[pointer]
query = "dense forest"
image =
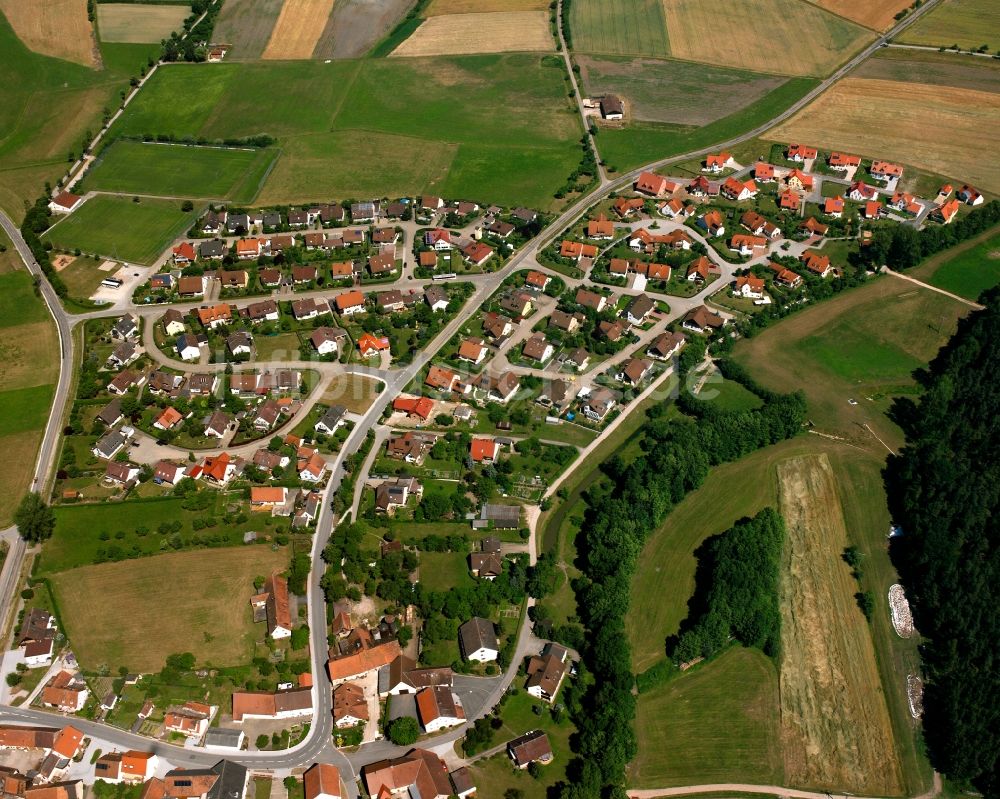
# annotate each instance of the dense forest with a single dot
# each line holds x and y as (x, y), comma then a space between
(736, 594)
(677, 454)
(944, 489)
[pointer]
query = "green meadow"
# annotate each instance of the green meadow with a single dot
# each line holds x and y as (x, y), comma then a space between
(496, 128)
(119, 228)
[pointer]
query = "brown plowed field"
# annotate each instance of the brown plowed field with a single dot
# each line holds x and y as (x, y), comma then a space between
(836, 731)
(247, 26)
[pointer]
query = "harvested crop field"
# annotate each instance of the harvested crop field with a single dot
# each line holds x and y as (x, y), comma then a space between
(57, 28)
(439, 7)
(619, 27)
(801, 38)
(967, 23)
(138, 23)
(675, 92)
(936, 128)
(298, 28)
(195, 601)
(246, 25)
(467, 34)
(876, 15)
(836, 731)
(355, 26)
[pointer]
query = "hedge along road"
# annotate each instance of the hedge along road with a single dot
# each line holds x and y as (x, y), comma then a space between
(319, 739)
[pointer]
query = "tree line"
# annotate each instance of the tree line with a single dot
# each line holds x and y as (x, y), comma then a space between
(622, 512)
(944, 491)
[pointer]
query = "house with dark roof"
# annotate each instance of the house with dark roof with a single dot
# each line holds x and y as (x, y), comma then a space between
(529, 748)
(477, 639)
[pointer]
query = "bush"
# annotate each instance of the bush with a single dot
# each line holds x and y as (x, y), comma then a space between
(403, 731)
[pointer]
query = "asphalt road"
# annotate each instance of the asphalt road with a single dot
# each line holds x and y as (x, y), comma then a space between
(317, 745)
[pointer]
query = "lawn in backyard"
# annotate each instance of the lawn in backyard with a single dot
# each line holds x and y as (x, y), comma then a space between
(178, 170)
(443, 571)
(120, 228)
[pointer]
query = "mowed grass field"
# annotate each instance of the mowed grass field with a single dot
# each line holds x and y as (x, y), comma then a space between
(517, 147)
(179, 170)
(297, 29)
(619, 27)
(354, 392)
(967, 270)
(119, 228)
(136, 613)
(493, 32)
(138, 22)
(247, 26)
(29, 362)
(836, 728)
(674, 92)
(712, 724)
(877, 16)
(801, 39)
(57, 28)
(967, 23)
(942, 129)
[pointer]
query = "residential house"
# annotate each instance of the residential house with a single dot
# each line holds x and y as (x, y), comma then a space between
(484, 450)
(872, 210)
(598, 404)
(712, 222)
(437, 298)
(834, 206)
(499, 389)
(747, 245)
(600, 228)
(638, 309)
(237, 279)
(439, 708)
(885, 170)
(486, 565)
(817, 264)
(173, 322)
(906, 202)
(65, 203)
(350, 303)
(788, 200)
(634, 371)
(575, 250)
(350, 707)
(947, 211)
(125, 328)
(862, 192)
(784, 276)
(537, 348)
(224, 780)
(66, 693)
(395, 493)
(240, 344)
(285, 704)
(800, 153)
(440, 378)
(472, 350)
(518, 304)
(546, 672)
(410, 446)
(532, 747)
(477, 253)
(309, 308)
(247, 249)
(739, 190)
(701, 319)
(568, 322)
(702, 270)
(497, 326)
(477, 640)
(277, 604)
(763, 172)
(591, 299)
(322, 781)
(331, 420)
(217, 424)
(438, 238)
(612, 331)
(814, 227)
(108, 445)
(213, 316)
(797, 180)
(166, 472)
(382, 264)
(628, 206)
(759, 226)
(121, 473)
(665, 346)
(419, 773)
(212, 250)
(749, 287)
(842, 162)
(969, 195)
(416, 407)
(718, 162)
(264, 311)
(304, 275)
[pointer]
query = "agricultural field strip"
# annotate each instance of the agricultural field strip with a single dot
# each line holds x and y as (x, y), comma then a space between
(831, 696)
(493, 32)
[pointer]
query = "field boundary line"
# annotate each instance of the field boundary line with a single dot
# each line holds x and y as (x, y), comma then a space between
(963, 300)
